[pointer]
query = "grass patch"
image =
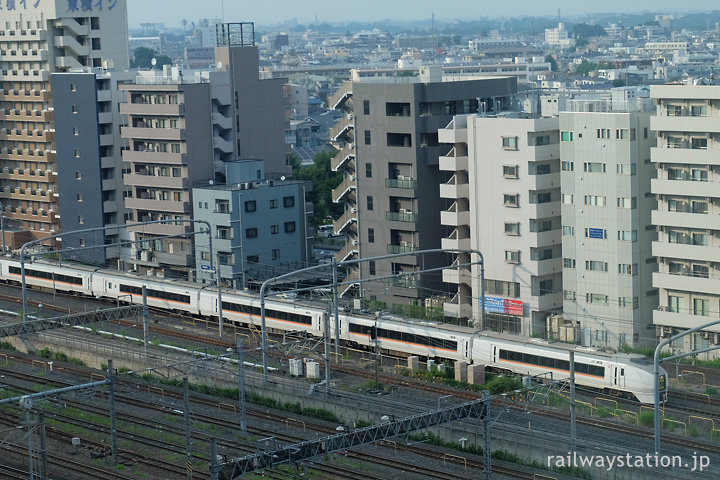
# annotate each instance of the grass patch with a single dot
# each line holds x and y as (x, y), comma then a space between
(496, 384)
(646, 418)
(7, 346)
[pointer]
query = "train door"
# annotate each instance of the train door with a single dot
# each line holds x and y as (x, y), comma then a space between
(618, 376)
(494, 353)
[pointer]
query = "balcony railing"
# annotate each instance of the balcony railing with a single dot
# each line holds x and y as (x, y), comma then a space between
(400, 183)
(401, 248)
(401, 217)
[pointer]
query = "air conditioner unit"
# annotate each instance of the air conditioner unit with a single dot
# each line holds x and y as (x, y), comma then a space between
(403, 211)
(145, 255)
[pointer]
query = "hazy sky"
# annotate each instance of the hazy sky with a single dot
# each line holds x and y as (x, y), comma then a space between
(171, 12)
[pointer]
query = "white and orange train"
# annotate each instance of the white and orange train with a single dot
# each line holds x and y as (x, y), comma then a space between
(629, 375)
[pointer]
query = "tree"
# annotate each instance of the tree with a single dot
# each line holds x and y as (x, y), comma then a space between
(553, 63)
(585, 67)
(323, 180)
(142, 58)
(583, 30)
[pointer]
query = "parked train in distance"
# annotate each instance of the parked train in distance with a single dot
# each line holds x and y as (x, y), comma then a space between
(628, 375)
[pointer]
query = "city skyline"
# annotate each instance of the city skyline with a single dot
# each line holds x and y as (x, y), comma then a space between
(171, 13)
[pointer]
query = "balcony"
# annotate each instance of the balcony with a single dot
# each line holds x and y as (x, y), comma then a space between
(349, 250)
(545, 181)
(664, 123)
(543, 210)
(403, 248)
(345, 221)
(682, 320)
(457, 276)
(342, 95)
(347, 185)
(157, 205)
(105, 117)
(67, 62)
(342, 128)
(165, 109)
(400, 182)
(455, 242)
(546, 267)
(148, 156)
(153, 133)
(452, 162)
(689, 252)
(162, 229)
(455, 132)
(404, 281)
(452, 190)
(684, 187)
(455, 218)
(134, 179)
(401, 216)
(686, 219)
(25, 95)
(697, 156)
(346, 154)
(691, 283)
(177, 260)
(456, 309)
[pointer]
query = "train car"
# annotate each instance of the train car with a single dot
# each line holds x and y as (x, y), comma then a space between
(399, 337)
(174, 296)
(617, 374)
(280, 315)
(49, 276)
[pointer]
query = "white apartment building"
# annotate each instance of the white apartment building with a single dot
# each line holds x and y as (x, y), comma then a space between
(608, 297)
(504, 197)
(687, 217)
(558, 36)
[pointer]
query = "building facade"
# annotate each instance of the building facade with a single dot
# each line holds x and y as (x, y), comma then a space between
(388, 151)
(504, 200)
(687, 123)
(259, 226)
(606, 227)
(37, 39)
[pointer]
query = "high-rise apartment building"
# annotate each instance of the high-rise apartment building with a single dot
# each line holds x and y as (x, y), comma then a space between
(687, 123)
(504, 200)
(37, 39)
(606, 204)
(388, 152)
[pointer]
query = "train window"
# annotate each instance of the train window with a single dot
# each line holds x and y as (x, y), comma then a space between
(547, 362)
(531, 359)
(562, 365)
(641, 360)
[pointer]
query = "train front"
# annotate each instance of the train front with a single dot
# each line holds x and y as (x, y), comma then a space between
(642, 372)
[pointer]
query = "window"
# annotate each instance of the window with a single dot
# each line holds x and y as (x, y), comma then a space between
(544, 197)
(73, 87)
(626, 168)
(74, 109)
(676, 304)
(369, 202)
(566, 136)
(569, 295)
(78, 176)
(276, 254)
(627, 235)
(510, 171)
(250, 206)
(595, 200)
(371, 267)
(568, 230)
(542, 140)
(546, 287)
(251, 232)
(502, 288)
(699, 143)
(289, 227)
(511, 200)
(701, 307)
(699, 207)
(596, 266)
(674, 110)
(698, 111)
(253, 259)
(699, 175)
(75, 131)
(543, 169)
(594, 167)
(674, 142)
(568, 263)
(366, 107)
(567, 166)
(222, 206)
(541, 254)
(596, 298)
(512, 228)
(224, 233)
(510, 143)
(76, 153)
(537, 226)
(288, 202)
(367, 137)
(568, 198)
(273, 203)
(700, 271)
(79, 197)
(371, 235)
(625, 202)
(627, 269)
(512, 256)
(274, 229)
(81, 219)
(368, 170)
(628, 302)
(700, 239)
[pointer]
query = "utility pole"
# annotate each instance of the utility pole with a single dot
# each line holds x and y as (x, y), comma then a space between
(113, 431)
(241, 389)
(186, 415)
(573, 431)
(145, 326)
(219, 299)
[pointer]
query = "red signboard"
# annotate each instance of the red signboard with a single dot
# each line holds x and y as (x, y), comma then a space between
(513, 307)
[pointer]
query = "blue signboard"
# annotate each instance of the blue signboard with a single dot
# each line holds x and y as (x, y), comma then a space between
(207, 267)
(494, 305)
(596, 233)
